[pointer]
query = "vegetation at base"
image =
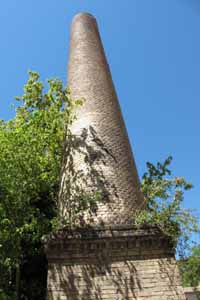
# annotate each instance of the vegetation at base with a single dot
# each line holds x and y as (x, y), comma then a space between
(31, 150)
(164, 196)
(31, 146)
(190, 268)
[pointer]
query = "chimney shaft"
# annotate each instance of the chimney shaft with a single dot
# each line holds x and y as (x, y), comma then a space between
(100, 125)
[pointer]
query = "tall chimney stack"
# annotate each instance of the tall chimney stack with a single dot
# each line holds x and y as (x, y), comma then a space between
(105, 262)
(100, 123)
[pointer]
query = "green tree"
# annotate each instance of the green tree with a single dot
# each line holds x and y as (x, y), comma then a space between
(164, 196)
(30, 161)
(190, 268)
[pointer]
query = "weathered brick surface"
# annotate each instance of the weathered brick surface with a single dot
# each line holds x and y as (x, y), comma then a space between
(113, 264)
(101, 127)
(109, 262)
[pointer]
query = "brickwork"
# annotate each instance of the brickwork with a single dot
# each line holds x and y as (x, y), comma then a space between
(118, 264)
(100, 127)
(105, 261)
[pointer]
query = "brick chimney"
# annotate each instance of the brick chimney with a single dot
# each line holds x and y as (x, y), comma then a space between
(116, 261)
(99, 124)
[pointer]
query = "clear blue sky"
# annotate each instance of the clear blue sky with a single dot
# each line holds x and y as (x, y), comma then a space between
(153, 48)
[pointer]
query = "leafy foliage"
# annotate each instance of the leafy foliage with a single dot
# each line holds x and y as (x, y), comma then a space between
(164, 195)
(190, 268)
(30, 158)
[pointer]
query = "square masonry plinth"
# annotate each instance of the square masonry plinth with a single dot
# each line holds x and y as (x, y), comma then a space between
(113, 264)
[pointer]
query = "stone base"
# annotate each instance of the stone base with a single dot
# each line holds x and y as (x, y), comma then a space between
(118, 263)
